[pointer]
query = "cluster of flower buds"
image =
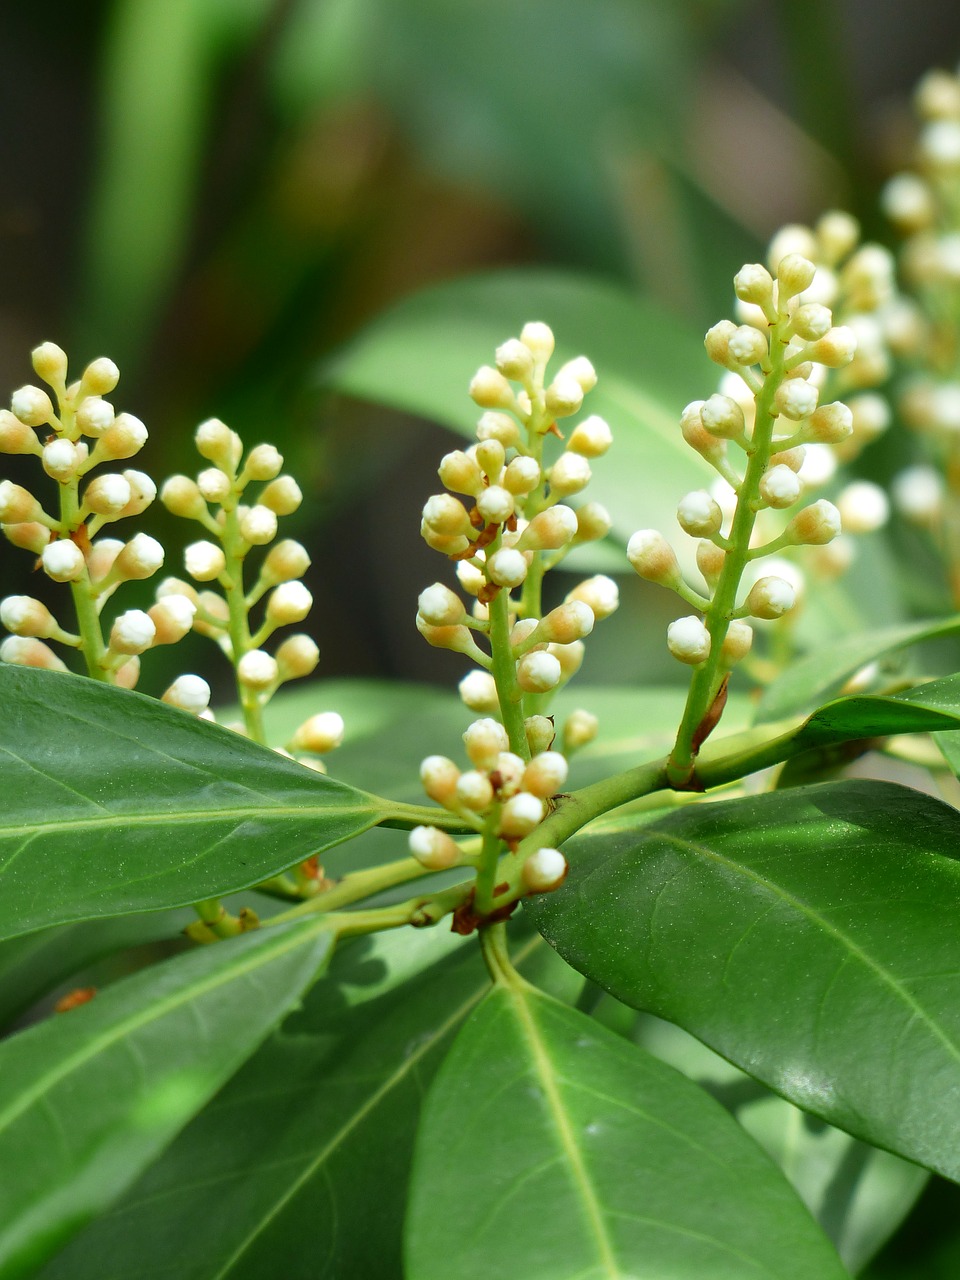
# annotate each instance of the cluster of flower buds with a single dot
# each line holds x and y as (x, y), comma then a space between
(778, 361)
(922, 204)
(237, 520)
(79, 436)
(506, 518)
(502, 793)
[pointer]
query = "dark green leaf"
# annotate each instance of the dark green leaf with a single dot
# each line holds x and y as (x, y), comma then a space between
(807, 935)
(551, 1147)
(90, 1097)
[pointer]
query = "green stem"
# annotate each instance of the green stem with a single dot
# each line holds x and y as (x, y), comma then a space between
(239, 625)
(354, 887)
(504, 669)
(84, 597)
(488, 864)
(496, 955)
(419, 912)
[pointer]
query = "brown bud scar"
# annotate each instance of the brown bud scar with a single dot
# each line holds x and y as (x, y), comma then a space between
(712, 717)
(488, 592)
(465, 920)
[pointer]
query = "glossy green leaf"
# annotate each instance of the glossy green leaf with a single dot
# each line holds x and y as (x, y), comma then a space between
(117, 803)
(300, 1166)
(89, 1098)
(597, 1161)
(650, 367)
(807, 935)
(823, 672)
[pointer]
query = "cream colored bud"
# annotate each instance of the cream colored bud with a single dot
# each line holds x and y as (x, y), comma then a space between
(736, 643)
(172, 616)
(263, 462)
(722, 417)
(544, 870)
(753, 283)
(793, 238)
(522, 476)
(297, 657)
(433, 848)
(490, 389)
(540, 733)
(62, 560)
(522, 631)
(204, 561)
(258, 525)
(748, 345)
(16, 436)
(133, 632)
(538, 672)
(24, 616)
(521, 813)
(128, 673)
(908, 202)
(838, 233)
(490, 456)
(169, 586)
(507, 567)
(937, 96)
(102, 556)
(474, 791)
(836, 348)
(549, 530)
(507, 774)
(495, 504)
(285, 561)
(570, 656)
(257, 670)
(288, 603)
(99, 378)
(812, 321)
(25, 651)
(458, 639)
(569, 622)
(124, 438)
(710, 561)
(107, 495)
(32, 406)
(696, 434)
(831, 423)
(815, 525)
(771, 597)
(600, 593)
(582, 370)
(580, 729)
(215, 485)
(459, 472)
(28, 535)
(483, 741)
(189, 693)
(493, 426)
(564, 396)
(472, 579)
(217, 443)
(515, 360)
(592, 437)
(653, 558)
(569, 474)
(140, 558)
(699, 514)
(834, 559)
(796, 398)
(545, 774)
(863, 507)
(440, 607)
(780, 486)
(320, 734)
(819, 465)
(539, 338)
(446, 515)
(448, 545)
(794, 274)
(283, 496)
(792, 458)
(939, 146)
(478, 691)
(142, 492)
(50, 363)
(688, 640)
(918, 494)
(181, 496)
(61, 460)
(438, 777)
(717, 342)
(95, 416)
(593, 522)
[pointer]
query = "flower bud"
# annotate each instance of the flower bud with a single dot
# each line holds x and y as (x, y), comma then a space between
(107, 495)
(493, 426)
(282, 496)
(28, 535)
(908, 203)
(507, 567)
(132, 632)
(580, 729)
(812, 321)
(125, 437)
(440, 607)
(456, 638)
(567, 623)
(284, 561)
(521, 813)
(460, 473)
(871, 416)
(794, 274)
(831, 423)
(522, 476)
(540, 733)
(95, 416)
(128, 673)
(63, 560)
(918, 494)
(289, 603)
(722, 417)
(569, 474)
(863, 507)
(748, 345)
(814, 525)
(257, 670)
(834, 559)
(514, 360)
(478, 691)
(697, 436)
(736, 643)
(771, 597)
(140, 558)
(483, 741)
(717, 342)
(297, 657)
(25, 651)
(438, 777)
(753, 283)
(258, 525)
(217, 443)
(181, 496)
(433, 848)
(172, 617)
(50, 363)
(263, 462)
(796, 398)
(495, 504)
(836, 348)
(474, 791)
(445, 514)
(204, 561)
(61, 460)
(16, 436)
(544, 870)
(538, 672)
(539, 338)
(99, 378)
(653, 558)
(214, 484)
(490, 389)
(189, 693)
(545, 774)
(570, 656)
(780, 486)
(549, 530)
(600, 593)
(17, 505)
(490, 456)
(699, 514)
(564, 396)
(32, 406)
(593, 522)
(592, 437)
(689, 640)
(24, 616)
(320, 734)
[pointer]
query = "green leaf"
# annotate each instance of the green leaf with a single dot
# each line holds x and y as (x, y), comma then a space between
(650, 366)
(302, 1161)
(823, 672)
(89, 1098)
(117, 803)
(597, 1161)
(807, 935)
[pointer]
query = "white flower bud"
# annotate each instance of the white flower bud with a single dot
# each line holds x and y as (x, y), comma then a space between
(653, 558)
(61, 460)
(567, 623)
(549, 530)
(297, 657)
(495, 504)
(564, 396)
(771, 597)
(286, 560)
(258, 525)
(937, 96)
(263, 462)
(582, 369)
(794, 274)
(204, 561)
(50, 363)
(478, 691)
(181, 497)
(600, 593)
(26, 651)
(593, 522)
(871, 416)
(592, 437)
(493, 426)
(460, 473)
(320, 734)
(836, 348)
(474, 791)
(569, 474)
(445, 514)
(515, 360)
(815, 525)
(736, 643)
(780, 486)
(838, 233)
(796, 398)
(540, 733)
(189, 693)
(544, 870)
(538, 672)
(793, 238)
(507, 567)
(107, 495)
(32, 406)
(62, 560)
(696, 434)
(95, 416)
(863, 507)
(939, 146)
(717, 342)
(748, 345)
(99, 377)
(710, 561)
(172, 617)
(217, 443)
(522, 476)
(545, 774)
(818, 467)
(24, 616)
(490, 456)
(257, 670)
(282, 496)
(140, 558)
(918, 494)
(289, 603)
(125, 437)
(142, 492)
(214, 484)
(521, 813)
(16, 436)
(539, 338)
(490, 389)
(439, 777)
(753, 283)
(132, 632)
(580, 729)
(483, 741)
(831, 423)
(689, 640)
(102, 557)
(570, 656)
(699, 514)
(812, 321)
(472, 579)
(440, 607)
(722, 417)
(433, 848)
(507, 774)
(908, 202)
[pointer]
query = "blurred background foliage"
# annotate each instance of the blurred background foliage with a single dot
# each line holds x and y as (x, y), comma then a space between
(221, 194)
